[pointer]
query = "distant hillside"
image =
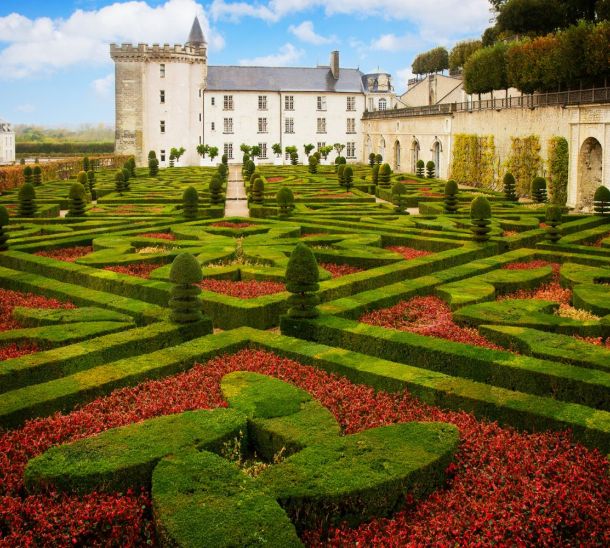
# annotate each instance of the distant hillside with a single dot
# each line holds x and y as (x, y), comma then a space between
(85, 133)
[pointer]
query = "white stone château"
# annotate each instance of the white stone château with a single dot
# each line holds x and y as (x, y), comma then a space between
(7, 143)
(168, 96)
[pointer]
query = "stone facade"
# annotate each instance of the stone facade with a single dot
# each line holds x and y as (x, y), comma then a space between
(7, 143)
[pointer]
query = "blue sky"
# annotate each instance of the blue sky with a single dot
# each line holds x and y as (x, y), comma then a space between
(55, 68)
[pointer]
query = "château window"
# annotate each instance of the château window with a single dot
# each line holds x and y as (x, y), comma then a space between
(262, 102)
(200, 116)
(213, 101)
(228, 125)
(263, 147)
(289, 125)
(350, 150)
(383, 104)
(321, 145)
(162, 96)
(351, 103)
(351, 125)
(321, 125)
(289, 102)
(321, 102)
(228, 150)
(162, 155)
(262, 125)
(162, 70)
(162, 126)
(228, 102)
(213, 126)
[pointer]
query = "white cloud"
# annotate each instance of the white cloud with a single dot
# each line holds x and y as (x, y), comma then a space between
(26, 108)
(306, 33)
(401, 77)
(104, 86)
(435, 17)
(286, 55)
(44, 45)
(393, 43)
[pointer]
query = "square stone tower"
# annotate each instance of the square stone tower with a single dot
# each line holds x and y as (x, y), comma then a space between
(159, 97)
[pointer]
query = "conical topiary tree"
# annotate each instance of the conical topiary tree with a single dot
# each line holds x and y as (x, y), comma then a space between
(253, 177)
(348, 177)
(539, 190)
(190, 203)
(119, 182)
(131, 166)
(302, 276)
(480, 216)
(451, 201)
(215, 190)
(223, 171)
(372, 159)
(510, 187)
(91, 183)
(313, 165)
(224, 159)
(430, 170)
(385, 173)
(340, 174)
(153, 167)
(378, 159)
(285, 200)
(126, 177)
(398, 197)
(83, 180)
(86, 164)
(27, 201)
(553, 221)
(258, 191)
(375, 174)
(77, 200)
(152, 154)
(184, 302)
(4, 221)
(294, 158)
(249, 169)
(27, 174)
(37, 175)
(420, 168)
(601, 200)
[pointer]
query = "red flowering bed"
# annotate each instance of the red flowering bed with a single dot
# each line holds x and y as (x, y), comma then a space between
(599, 242)
(428, 316)
(275, 179)
(338, 270)
(140, 270)
(158, 235)
(509, 233)
(228, 224)
(245, 289)
(8, 301)
(68, 254)
(337, 195)
(408, 252)
(551, 291)
(505, 487)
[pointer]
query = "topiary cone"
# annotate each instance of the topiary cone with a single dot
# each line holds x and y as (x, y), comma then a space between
(285, 200)
(553, 221)
(27, 201)
(190, 203)
(480, 215)
(510, 187)
(302, 276)
(184, 302)
(398, 191)
(451, 201)
(77, 200)
(601, 201)
(4, 221)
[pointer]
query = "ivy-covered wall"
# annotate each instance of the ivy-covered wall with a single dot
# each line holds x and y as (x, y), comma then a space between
(473, 160)
(558, 159)
(524, 161)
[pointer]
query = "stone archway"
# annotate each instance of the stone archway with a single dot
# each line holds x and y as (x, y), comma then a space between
(397, 155)
(589, 172)
(414, 155)
(368, 147)
(382, 148)
(436, 158)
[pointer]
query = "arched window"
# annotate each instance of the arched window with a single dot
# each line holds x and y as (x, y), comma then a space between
(382, 147)
(414, 155)
(383, 104)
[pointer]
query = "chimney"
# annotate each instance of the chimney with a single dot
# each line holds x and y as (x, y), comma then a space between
(334, 64)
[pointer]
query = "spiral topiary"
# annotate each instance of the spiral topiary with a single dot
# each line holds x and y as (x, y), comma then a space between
(258, 191)
(126, 177)
(4, 221)
(27, 174)
(378, 159)
(37, 175)
(215, 188)
(223, 171)
(152, 155)
(285, 200)
(131, 166)
(294, 158)
(91, 183)
(184, 302)
(190, 203)
(86, 164)
(601, 200)
(340, 174)
(420, 168)
(224, 159)
(451, 201)
(510, 187)
(119, 182)
(77, 200)
(348, 177)
(385, 173)
(480, 215)
(313, 165)
(539, 190)
(372, 159)
(27, 201)
(553, 221)
(250, 168)
(398, 192)
(302, 276)
(430, 170)
(375, 174)
(153, 167)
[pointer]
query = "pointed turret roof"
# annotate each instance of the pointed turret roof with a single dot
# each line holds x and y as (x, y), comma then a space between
(196, 35)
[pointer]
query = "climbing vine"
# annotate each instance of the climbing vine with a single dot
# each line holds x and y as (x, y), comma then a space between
(558, 160)
(524, 161)
(473, 160)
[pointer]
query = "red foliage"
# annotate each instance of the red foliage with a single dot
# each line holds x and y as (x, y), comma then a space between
(245, 289)
(68, 254)
(408, 252)
(428, 316)
(599, 241)
(505, 487)
(158, 235)
(15, 350)
(140, 270)
(10, 299)
(551, 291)
(228, 224)
(338, 270)
(509, 233)
(597, 341)
(275, 179)
(337, 195)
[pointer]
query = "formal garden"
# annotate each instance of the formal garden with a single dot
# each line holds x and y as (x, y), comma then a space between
(368, 358)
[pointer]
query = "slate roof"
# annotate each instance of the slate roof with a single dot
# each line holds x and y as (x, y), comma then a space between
(196, 34)
(5, 127)
(238, 78)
